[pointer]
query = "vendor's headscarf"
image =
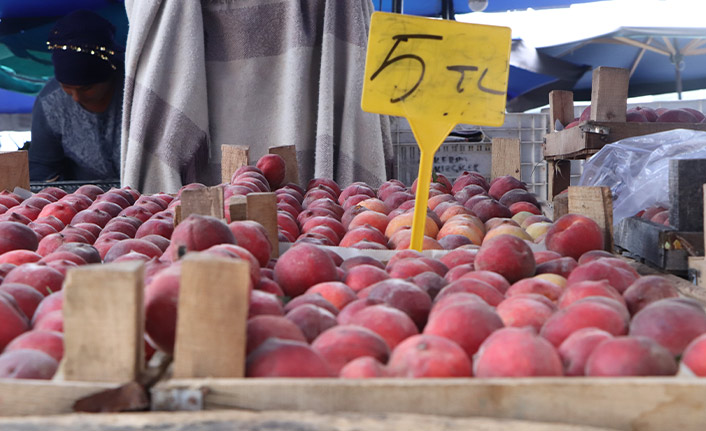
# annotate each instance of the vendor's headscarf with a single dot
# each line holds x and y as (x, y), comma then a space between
(83, 49)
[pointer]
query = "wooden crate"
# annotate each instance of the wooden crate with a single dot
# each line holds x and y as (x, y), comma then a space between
(606, 125)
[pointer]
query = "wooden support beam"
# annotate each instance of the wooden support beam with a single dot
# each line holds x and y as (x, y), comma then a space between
(686, 180)
(559, 176)
(609, 94)
(205, 201)
(262, 208)
(14, 170)
(561, 108)
(21, 397)
(104, 323)
(560, 205)
(233, 157)
(238, 208)
(595, 203)
(213, 309)
(505, 157)
(289, 154)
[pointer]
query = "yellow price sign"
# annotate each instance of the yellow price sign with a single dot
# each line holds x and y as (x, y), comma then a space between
(437, 73)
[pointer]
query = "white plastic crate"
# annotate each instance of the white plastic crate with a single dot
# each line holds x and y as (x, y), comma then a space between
(456, 155)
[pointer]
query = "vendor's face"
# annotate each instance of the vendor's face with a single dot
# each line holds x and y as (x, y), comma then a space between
(94, 97)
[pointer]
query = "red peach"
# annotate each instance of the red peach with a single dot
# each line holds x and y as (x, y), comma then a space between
(389, 323)
(27, 364)
(15, 236)
(646, 290)
(362, 368)
(508, 256)
(262, 327)
(599, 312)
(694, 356)
(516, 352)
(577, 347)
(49, 342)
(584, 289)
(311, 320)
(311, 298)
(604, 268)
(493, 278)
(523, 310)
(404, 296)
(427, 355)
(341, 344)
(285, 358)
(630, 356)
(303, 266)
(573, 235)
(484, 290)
(671, 322)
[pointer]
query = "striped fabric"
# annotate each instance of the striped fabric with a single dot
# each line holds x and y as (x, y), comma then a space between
(258, 73)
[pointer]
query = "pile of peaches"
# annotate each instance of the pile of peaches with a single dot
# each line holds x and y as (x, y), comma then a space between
(507, 293)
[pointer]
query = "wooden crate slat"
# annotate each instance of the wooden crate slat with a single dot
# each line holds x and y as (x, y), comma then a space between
(42, 397)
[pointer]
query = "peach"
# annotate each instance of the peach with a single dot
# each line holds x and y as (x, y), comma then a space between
(303, 266)
(18, 257)
(584, 289)
(273, 168)
(132, 245)
(646, 290)
(507, 229)
(16, 217)
(361, 260)
(467, 192)
(139, 212)
(599, 312)
(486, 209)
(285, 358)
(371, 218)
(64, 256)
(311, 320)
(39, 276)
(122, 225)
(494, 279)
(26, 297)
(364, 275)
(50, 303)
(375, 204)
(467, 323)
(676, 116)
(161, 227)
(61, 210)
(27, 364)
(262, 327)
(14, 321)
(108, 207)
(516, 352)
(573, 235)
(311, 298)
(305, 215)
(694, 356)
(671, 322)
(197, 233)
(630, 356)
(404, 296)
(428, 355)
(329, 204)
(430, 282)
(501, 185)
(530, 220)
(462, 228)
(604, 268)
(524, 310)
(53, 321)
(402, 240)
(468, 178)
(405, 220)
(390, 323)
(498, 221)
(49, 342)
(87, 252)
(518, 195)
(355, 189)
(458, 257)
(562, 266)
(340, 345)
(16, 236)
(536, 230)
(552, 278)
(542, 256)
(458, 271)
(365, 233)
(264, 303)
(478, 287)
(407, 268)
(362, 368)
(508, 256)
(524, 206)
(160, 303)
(575, 350)
(90, 190)
(335, 292)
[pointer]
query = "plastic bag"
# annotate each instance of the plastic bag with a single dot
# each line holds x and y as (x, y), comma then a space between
(637, 169)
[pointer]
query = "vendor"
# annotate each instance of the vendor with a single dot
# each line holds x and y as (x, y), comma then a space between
(76, 119)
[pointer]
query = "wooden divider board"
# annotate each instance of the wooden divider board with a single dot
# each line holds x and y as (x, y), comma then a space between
(213, 309)
(289, 154)
(559, 176)
(238, 208)
(609, 94)
(262, 208)
(233, 157)
(505, 157)
(595, 203)
(636, 404)
(20, 397)
(104, 323)
(14, 170)
(561, 107)
(207, 201)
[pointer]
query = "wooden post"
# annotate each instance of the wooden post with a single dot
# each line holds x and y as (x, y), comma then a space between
(609, 94)
(233, 157)
(262, 208)
(560, 205)
(686, 179)
(561, 107)
(697, 263)
(289, 154)
(208, 201)
(505, 157)
(595, 203)
(213, 310)
(177, 214)
(238, 208)
(104, 323)
(14, 170)
(559, 176)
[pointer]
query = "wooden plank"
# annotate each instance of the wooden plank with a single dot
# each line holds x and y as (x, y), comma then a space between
(233, 157)
(642, 404)
(609, 94)
(505, 157)
(19, 397)
(595, 203)
(14, 170)
(289, 154)
(262, 208)
(213, 309)
(571, 143)
(561, 108)
(559, 176)
(177, 214)
(686, 183)
(206, 201)
(233, 420)
(238, 208)
(104, 322)
(560, 206)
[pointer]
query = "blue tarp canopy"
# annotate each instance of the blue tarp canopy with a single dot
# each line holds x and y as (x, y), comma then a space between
(437, 7)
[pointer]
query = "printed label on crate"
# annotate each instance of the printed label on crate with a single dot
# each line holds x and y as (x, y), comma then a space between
(437, 70)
